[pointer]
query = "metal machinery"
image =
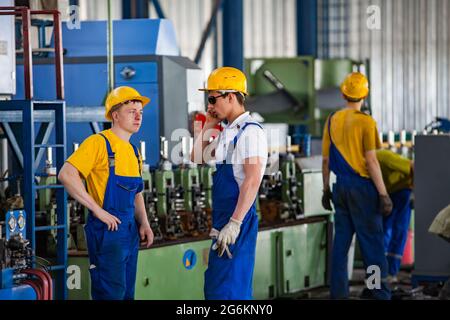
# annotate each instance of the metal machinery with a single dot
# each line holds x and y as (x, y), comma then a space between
(18, 279)
(187, 175)
(294, 238)
(432, 194)
(169, 196)
(300, 91)
(19, 118)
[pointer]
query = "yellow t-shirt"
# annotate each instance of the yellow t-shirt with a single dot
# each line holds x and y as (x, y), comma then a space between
(396, 170)
(353, 133)
(91, 160)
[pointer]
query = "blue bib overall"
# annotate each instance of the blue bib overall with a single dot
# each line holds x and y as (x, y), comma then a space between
(113, 254)
(231, 278)
(355, 200)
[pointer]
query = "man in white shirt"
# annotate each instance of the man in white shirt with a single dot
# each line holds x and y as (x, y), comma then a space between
(240, 153)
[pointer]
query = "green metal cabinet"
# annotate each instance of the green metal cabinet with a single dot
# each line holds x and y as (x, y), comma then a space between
(265, 273)
(288, 259)
(165, 273)
(302, 250)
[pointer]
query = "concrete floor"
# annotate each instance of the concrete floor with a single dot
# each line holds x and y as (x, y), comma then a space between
(402, 290)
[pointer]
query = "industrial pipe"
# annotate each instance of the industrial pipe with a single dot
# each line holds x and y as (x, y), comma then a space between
(43, 281)
(4, 162)
(109, 39)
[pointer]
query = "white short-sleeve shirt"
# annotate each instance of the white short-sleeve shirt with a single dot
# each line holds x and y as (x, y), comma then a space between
(251, 143)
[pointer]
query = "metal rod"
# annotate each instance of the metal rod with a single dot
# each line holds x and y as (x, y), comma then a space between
(142, 149)
(27, 55)
(163, 151)
(109, 40)
(158, 9)
(207, 31)
(45, 139)
(391, 138)
(288, 144)
(49, 157)
(403, 137)
(4, 168)
(59, 70)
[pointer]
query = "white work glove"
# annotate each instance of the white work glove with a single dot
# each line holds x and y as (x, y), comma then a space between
(214, 234)
(229, 233)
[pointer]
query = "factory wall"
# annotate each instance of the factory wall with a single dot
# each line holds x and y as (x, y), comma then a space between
(408, 49)
(269, 26)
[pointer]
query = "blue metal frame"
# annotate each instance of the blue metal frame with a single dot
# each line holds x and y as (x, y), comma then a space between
(159, 10)
(43, 136)
(27, 107)
(307, 28)
(210, 27)
(140, 6)
(233, 34)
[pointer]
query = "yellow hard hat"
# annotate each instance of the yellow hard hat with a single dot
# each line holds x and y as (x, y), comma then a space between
(355, 86)
(120, 95)
(227, 79)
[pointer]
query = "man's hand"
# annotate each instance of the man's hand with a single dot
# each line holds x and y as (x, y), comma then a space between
(212, 119)
(146, 235)
(327, 198)
(229, 233)
(111, 221)
(385, 205)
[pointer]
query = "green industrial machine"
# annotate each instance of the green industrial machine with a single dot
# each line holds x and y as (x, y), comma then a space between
(206, 182)
(298, 91)
(292, 207)
(169, 197)
(150, 196)
(282, 89)
(289, 260)
(46, 208)
(292, 254)
(187, 175)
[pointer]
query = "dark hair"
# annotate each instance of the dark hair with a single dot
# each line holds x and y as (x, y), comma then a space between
(240, 98)
(352, 99)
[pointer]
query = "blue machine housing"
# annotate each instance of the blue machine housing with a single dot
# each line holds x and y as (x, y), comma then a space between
(140, 45)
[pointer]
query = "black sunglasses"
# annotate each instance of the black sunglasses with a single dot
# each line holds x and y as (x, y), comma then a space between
(213, 99)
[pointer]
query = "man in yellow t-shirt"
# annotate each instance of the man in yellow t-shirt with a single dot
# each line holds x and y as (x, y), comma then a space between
(398, 177)
(350, 139)
(117, 219)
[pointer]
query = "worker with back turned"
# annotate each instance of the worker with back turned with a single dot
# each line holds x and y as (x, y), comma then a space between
(360, 198)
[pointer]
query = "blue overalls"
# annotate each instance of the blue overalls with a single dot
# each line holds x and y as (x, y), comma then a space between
(113, 254)
(355, 200)
(396, 227)
(231, 279)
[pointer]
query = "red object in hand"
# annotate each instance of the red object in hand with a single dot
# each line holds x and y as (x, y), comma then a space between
(202, 117)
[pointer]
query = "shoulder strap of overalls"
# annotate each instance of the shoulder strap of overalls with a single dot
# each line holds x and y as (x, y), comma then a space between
(329, 126)
(233, 143)
(111, 157)
(136, 153)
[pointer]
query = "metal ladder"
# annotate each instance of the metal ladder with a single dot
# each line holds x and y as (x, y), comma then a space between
(26, 108)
